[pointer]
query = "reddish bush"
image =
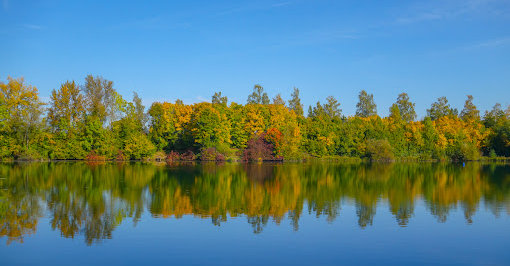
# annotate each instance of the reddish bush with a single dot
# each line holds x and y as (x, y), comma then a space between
(259, 149)
(220, 157)
(93, 156)
(274, 136)
(208, 154)
(211, 154)
(173, 156)
(188, 156)
(120, 156)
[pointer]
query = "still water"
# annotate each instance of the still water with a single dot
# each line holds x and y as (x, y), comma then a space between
(68, 213)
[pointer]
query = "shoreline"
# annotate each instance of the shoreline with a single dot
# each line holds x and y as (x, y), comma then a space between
(305, 160)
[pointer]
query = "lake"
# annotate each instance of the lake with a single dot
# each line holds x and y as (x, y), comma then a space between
(72, 213)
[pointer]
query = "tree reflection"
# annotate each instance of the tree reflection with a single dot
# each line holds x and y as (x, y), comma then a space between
(92, 200)
(365, 214)
(18, 217)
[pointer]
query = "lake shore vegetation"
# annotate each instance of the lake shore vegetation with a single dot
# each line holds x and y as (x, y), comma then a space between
(94, 122)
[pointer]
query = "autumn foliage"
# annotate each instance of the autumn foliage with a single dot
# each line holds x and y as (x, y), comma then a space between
(211, 154)
(93, 156)
(259, 148)
(94, 122)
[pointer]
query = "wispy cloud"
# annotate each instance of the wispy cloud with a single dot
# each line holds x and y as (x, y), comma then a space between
(323, 36)
(489, 44)
(419, 17)
(151, 23)
(309, 38)
(202, 99)
(33, 27)
(433, 10)
(472, 46)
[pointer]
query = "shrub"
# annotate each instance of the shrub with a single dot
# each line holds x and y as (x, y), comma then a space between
(208, 154)
(30, 155)
(492, 154)
(220, 157)
(379, 150)
(462, 151)
(138, 147)
(225, 150)
(93, 156)
(159, 156)
(173, 156)
(120, 156)
(188, 156)
(260, 149)
(211, 154)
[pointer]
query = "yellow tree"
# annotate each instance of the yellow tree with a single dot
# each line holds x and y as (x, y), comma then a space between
(286, 121)
(66, 107)
(254, 123)
(169, 123)
(23, 110)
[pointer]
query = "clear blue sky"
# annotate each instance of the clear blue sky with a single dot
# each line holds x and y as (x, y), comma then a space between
(189, 49)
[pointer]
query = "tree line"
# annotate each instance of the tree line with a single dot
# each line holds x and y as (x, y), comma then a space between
(94, 122)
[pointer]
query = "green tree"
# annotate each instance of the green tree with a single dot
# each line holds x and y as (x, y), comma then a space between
(379, 150)
(258, 96)
(366, 106)
(440, 109)
(429, 148)
(218, 99)
(100, 98)
(104, 108)
(406, 107)
(24, 111)
(295, 103)
(6, 140)
(129, 130)
(66, 107)
(470, 112)
(494, 116)
(66, 116)
(239, 134)
(208, 127)
(139, 112)
(138, 146)
(331, 108)
(395, 112)
(321, 127)
(278, 100)
(156, 125)
(316, 111)
(499, 123)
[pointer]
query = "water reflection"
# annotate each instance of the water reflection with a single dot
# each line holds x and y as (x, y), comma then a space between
(92, 200)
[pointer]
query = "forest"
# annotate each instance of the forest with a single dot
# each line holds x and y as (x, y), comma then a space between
(92, 121)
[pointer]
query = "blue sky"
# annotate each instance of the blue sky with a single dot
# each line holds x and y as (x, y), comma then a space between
(190, 49)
